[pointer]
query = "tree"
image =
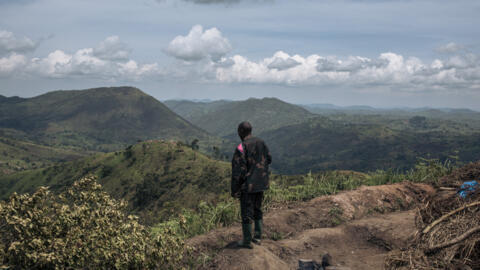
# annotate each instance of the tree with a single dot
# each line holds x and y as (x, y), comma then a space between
(80, 228)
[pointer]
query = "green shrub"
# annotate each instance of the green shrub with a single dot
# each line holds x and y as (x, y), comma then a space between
(82, 227)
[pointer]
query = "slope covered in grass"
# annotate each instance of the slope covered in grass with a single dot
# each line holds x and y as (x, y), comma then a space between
(17, 155)
(157, 178)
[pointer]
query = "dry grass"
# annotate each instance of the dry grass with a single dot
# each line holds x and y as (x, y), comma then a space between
(454, 243)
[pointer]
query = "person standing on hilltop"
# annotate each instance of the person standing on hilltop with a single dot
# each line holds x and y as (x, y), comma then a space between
(250, 163)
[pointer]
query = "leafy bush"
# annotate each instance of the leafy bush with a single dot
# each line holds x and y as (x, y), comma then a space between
(82, 227)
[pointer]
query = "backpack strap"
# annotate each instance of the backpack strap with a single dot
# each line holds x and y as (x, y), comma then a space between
(240, 148)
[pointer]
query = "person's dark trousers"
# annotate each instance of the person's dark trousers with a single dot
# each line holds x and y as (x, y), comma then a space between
(251, 210)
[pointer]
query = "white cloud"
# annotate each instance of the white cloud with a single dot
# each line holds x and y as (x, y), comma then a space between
(56, 64)
(112, 49)
(204, 55)
(9, 65)
(451, 47)
(132, 70)
(59, 64)
(244, 70)
(10, 43)
(199, 44)
(282, 61)
(350, 64)
(107, 61)
(389, 69)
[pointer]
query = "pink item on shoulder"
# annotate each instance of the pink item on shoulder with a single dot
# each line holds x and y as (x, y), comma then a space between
(240, 148)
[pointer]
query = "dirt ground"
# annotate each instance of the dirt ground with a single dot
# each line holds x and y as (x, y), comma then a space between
(357, 228)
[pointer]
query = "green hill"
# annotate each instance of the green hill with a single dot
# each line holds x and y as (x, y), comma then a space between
(323, 144)
(99, 119)
(222, 117)
(157, 178)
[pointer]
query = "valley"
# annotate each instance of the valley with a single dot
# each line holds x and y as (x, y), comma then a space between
(170, 165)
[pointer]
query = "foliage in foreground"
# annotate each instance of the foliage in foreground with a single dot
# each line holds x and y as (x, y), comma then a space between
(82, 227)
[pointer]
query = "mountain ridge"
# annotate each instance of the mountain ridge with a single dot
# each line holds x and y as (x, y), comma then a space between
(97, 116)
(264, 114)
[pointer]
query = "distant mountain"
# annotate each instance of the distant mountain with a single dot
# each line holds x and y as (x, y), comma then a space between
(15, 99)
(157, 178)
(189, 109)
(97, 119)
(222, 117)
(320, 107)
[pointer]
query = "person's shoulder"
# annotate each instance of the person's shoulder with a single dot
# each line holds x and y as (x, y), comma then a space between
(258, 140)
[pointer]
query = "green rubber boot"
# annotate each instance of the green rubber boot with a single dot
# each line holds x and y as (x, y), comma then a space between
(258, 232)
(247, 236)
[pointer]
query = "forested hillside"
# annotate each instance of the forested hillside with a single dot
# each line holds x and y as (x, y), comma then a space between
(321, 144)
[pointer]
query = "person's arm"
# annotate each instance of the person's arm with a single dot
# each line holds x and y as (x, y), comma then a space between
(239, 170)
(269, 157)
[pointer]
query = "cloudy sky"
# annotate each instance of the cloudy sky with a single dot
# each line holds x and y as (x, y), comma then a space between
(383, 53)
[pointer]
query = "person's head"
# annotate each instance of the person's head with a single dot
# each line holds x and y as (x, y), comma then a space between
(244, 129)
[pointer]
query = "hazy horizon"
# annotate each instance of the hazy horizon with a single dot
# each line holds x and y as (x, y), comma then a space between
(208, 100)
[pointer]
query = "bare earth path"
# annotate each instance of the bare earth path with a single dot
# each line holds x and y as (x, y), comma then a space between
(357, 228)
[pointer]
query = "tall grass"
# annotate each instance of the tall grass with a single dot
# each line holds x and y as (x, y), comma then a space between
(286, 189)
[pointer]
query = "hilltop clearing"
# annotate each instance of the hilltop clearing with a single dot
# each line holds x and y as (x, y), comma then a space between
(357, 228)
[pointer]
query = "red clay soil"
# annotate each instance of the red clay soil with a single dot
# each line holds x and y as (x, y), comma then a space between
(357, 228)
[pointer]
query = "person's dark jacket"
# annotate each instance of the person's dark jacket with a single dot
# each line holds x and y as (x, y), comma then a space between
(250, 166)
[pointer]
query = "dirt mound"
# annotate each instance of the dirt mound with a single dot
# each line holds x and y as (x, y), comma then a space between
(450, 229)
(368, 230)
(468, 172)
